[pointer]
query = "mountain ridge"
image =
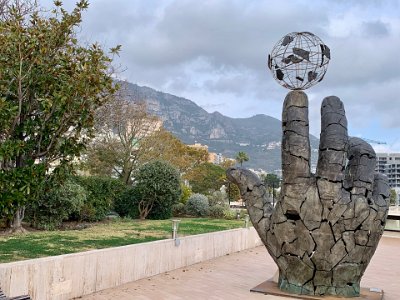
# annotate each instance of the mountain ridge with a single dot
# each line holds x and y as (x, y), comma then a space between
(222, 134)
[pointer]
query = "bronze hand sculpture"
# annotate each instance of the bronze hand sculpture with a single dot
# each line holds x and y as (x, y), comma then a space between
(326, 226)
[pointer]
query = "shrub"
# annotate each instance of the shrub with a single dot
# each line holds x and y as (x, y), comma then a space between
(218, 198)
(127, 204)
(186, 193)
(102, 192)
(393, 197)
(229, 214)
(243, 212)
(57, 205)
(217, 211)
(197, 205)
(178, 209)
(158, 184)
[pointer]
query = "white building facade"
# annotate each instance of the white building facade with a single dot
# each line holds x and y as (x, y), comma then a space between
(389, 164)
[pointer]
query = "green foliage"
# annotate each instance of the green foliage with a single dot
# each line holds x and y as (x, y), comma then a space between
(178, 209)
(229, 214)
(242, 157)
(242, 212)
(120, 125)
(197, 205)
(393, 197)
(19, 185)
(163, 145)
(158, 184)
(217, 211)
(102, 192)
(218, 198)
(271, 180)
(127, 204)
(56, 205)
(50, 86)
(186, 193)
(206, 178)
(233, 192)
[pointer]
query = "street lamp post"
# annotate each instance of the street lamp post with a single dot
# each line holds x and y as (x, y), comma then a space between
(229, 193)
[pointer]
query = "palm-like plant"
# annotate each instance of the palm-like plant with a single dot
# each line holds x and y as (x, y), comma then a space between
(242, 157)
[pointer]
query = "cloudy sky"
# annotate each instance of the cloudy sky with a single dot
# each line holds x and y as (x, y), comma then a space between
(214, 53)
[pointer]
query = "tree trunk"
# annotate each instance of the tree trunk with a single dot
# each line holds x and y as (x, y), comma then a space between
(145, 208)
(126, 175)
(143, 212)
(16, 224)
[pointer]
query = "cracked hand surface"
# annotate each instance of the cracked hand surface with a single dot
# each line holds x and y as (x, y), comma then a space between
(326, 226)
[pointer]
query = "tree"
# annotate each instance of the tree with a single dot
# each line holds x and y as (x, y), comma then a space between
(232, 191)
(50, 86)
(121, 126)
(163, 145)
(128, 137)
(158, 186)
(206, 178)
(271, 180)
(242, 157)
(393, 197)
(227, 163)
(186, 193)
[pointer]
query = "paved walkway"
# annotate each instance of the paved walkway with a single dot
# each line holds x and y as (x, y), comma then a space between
(232, 276)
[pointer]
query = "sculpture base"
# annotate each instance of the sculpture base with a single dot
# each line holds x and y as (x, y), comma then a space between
(270, 287)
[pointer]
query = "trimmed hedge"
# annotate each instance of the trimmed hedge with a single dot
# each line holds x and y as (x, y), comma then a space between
(127, 204)
(57, 205)
(102, 193)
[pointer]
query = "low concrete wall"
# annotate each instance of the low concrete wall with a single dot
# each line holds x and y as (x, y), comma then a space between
(74, 275)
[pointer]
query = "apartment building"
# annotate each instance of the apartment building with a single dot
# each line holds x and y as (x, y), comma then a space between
(389, 164)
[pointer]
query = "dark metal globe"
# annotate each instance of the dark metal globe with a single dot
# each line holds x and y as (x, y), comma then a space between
(299, 60)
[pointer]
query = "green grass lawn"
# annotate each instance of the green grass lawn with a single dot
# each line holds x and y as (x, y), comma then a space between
(117, 232)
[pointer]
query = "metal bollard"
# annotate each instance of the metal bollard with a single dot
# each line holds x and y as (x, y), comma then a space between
(175, 226)
(237, 214)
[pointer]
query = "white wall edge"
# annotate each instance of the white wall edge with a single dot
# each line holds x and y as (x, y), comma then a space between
(78, 274)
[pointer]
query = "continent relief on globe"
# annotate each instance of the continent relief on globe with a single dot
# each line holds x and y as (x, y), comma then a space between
(299, 60)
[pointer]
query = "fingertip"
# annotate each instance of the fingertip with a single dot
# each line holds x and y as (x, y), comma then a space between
(332, 101)
(295, 108)
(381, 185)
(296, 98)
(332, 105)
(358, 145)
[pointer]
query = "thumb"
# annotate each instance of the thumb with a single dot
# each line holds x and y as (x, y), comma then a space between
(253, 192)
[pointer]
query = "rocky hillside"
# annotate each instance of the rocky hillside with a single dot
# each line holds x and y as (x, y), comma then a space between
(259, 136)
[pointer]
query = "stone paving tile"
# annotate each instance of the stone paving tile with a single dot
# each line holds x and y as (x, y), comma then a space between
(232, 276)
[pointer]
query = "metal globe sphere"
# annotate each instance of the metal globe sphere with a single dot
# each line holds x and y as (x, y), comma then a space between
(299, 60)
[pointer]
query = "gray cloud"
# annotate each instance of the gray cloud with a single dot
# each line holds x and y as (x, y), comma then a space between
(375, 29)
(215, 52)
